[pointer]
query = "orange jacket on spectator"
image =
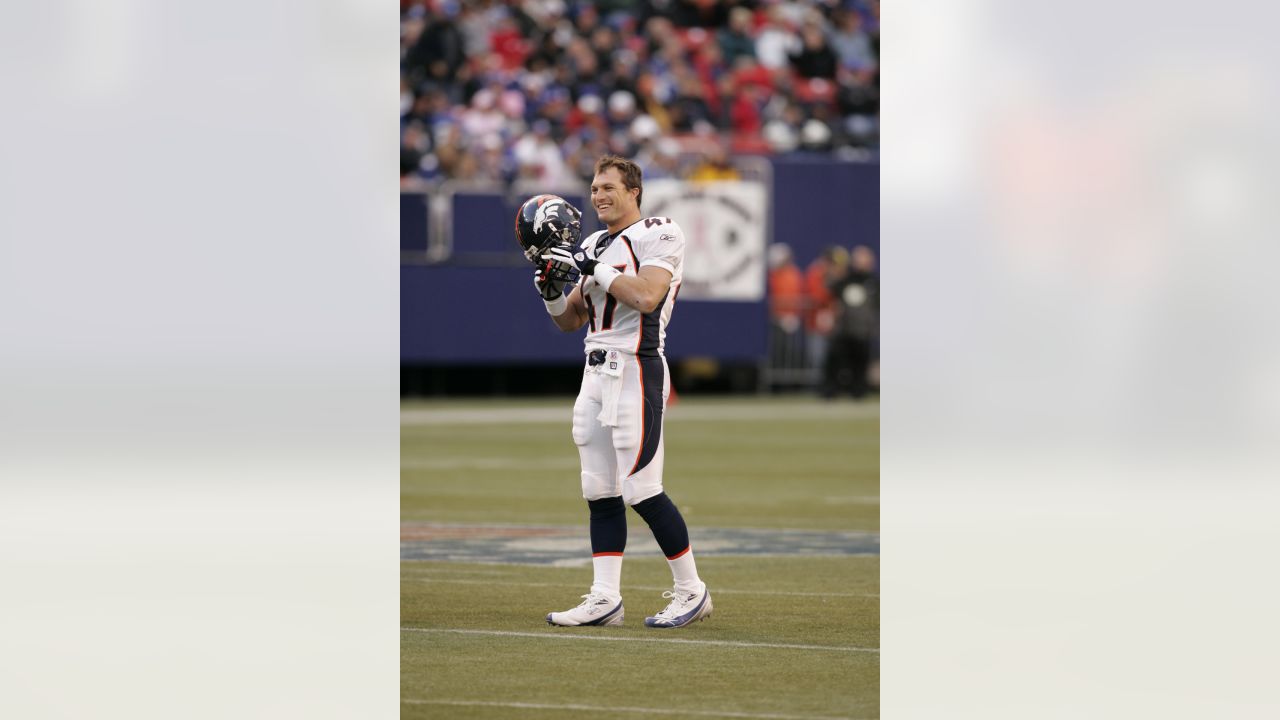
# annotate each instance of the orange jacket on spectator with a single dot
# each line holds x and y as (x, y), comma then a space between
(786, 292)
(821, 306)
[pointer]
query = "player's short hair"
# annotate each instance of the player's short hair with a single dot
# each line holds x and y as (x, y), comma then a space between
(632, 177)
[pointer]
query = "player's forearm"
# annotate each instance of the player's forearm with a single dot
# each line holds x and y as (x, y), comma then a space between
(637, 293)
(571, 320)
(570, 314)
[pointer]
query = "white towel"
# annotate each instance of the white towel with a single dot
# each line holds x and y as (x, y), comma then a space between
(610, 388)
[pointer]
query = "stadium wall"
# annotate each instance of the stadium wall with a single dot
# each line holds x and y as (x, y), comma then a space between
(479, 307)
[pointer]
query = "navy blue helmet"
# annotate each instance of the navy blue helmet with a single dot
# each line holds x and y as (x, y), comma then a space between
(545, 221)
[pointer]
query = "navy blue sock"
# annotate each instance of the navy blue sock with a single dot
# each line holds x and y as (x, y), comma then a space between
(667, 524)
(608, 526)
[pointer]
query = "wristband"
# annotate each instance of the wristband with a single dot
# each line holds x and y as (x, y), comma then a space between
(605, 275)
(556, 307)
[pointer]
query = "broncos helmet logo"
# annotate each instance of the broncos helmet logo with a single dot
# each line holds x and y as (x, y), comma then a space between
(544, 213)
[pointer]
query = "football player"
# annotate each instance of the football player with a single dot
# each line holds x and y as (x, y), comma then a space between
(628, 280)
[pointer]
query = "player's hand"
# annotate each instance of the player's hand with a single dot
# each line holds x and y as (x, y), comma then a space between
(547, 284)
(575, 256)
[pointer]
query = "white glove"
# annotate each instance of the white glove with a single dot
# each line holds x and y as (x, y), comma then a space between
(587, 267)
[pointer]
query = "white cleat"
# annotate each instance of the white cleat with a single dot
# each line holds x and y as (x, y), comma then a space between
(685, 608)
(596, 609)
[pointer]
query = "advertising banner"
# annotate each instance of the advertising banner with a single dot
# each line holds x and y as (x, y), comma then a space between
(725, 226)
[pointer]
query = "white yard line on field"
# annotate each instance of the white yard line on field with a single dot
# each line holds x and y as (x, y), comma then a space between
(843, 499)
(460, 571)
(617, 709)
(586, 561)
(489, 463)
(577, 528)
(694, 413)
(726, 643)
(455, 581)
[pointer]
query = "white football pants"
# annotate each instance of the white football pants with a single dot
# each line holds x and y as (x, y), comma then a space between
(617, 426)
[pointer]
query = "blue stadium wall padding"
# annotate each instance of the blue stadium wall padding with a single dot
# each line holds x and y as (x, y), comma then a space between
(413, 221)
(493, 315)
(817, 203)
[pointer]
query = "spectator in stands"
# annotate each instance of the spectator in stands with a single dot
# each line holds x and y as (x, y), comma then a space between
(815, 136)
(507, 42)
(735, 39)
(622, 75)
(421, 109)
(475, 25)
(410, 180)
(690, 105)
(858, 101)
(709, 67)
(553, 106)
(466, 170)
(604, 41)
(851, 42)
(744, 112)
(658, 31)
(512, 106)
(588, 113)
(622, 110)
(582, 151)
(726, 96)
(786, 308)
(544, 56)
(715, 166)
(654, 98)
(538, 158)
(438, 50)
(660, 159)
(775, 41)
(588, 19)
(820, 306)
(493, 165)
(416, 139)
(644, 130)
(407, 98)
(583, 60)
(483, 118)
(783, 130)
(857, 323)
(815, 58)
(449, 147)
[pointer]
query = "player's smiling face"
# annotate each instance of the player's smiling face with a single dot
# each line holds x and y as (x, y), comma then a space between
(611, 198)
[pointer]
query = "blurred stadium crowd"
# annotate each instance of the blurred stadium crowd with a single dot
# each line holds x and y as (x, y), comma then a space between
(497, 91)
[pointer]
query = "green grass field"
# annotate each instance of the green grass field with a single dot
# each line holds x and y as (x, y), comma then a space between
(791, 636)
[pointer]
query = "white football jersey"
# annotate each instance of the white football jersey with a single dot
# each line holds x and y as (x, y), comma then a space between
(613, 325)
